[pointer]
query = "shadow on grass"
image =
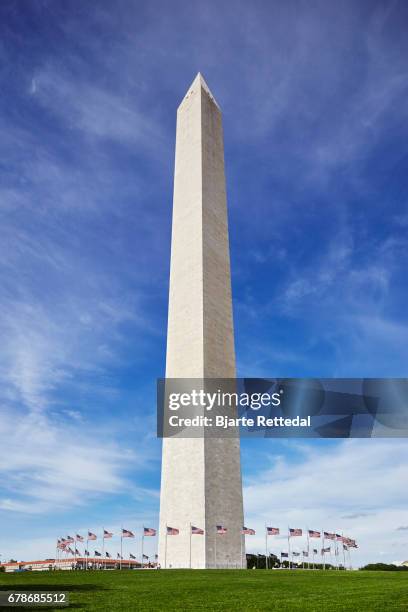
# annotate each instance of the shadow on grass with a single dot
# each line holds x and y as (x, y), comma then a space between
(52, 587)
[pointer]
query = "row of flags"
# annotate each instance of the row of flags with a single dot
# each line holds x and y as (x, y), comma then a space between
(273, 531)
(63, 543)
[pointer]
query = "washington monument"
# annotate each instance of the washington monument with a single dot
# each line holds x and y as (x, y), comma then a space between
(201, 478)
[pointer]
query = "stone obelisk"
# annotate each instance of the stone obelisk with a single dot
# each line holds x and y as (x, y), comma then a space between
(201, 478)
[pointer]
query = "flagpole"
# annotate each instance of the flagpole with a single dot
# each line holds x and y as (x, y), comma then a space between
(190, 547)
(87, 548)
(266, 547)
(242, 561)
(290, 563)
(215, 548)
(103, 547)
(322, 552)
(337, 553)
(165, 550)
(344, 553)
(121, 548)
(142, 544)
(308, 549)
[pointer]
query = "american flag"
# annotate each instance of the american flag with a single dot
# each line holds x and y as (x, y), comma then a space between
(132, 556)
(247, 531)
(86, 553)
(325, 550)
(221, 530)
(91, 536)
(272, 530)
(108, 555)
(329, 536)
(69, 539)
(156, 556)
(61, 544)
(119, 556)
(77, 552)
(172, 531)
(148, 531)
(69, 549)
(145, 556)
(345, 547)
(296, 554)
(127, 534)
(305, 553)
(284, 554)
(295, 532)
(315, 551)
(197, 530)
(97, 554)
(339, 537)
(314, 534)
(107, 534)
(79, 538)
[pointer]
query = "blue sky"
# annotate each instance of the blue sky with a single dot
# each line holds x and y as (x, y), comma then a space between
(315, 125)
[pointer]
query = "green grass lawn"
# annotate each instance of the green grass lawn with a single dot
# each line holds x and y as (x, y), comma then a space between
(221, 589)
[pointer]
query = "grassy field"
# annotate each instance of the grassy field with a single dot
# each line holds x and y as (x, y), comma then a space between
(221, 589)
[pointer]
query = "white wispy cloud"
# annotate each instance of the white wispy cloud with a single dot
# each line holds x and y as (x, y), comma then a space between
(352, 487)
(49, 464)
(96, 111)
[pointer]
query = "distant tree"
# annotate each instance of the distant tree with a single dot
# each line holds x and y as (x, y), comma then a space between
(384, 567)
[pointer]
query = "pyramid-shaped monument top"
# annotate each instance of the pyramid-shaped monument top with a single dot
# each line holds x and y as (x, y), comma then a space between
(199, 82)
